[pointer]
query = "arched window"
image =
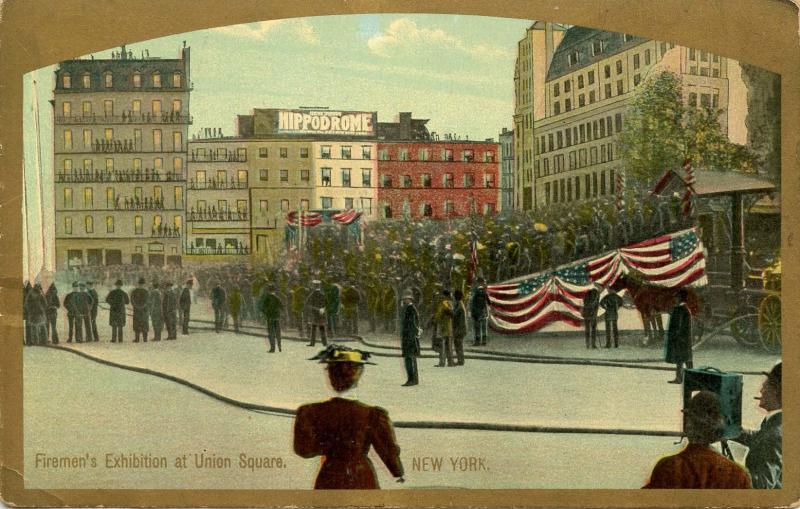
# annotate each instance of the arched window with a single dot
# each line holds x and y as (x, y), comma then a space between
(137, 79)
(66, 80)
(157, 79)
(108, 78)
(86, 80)
(176, 80)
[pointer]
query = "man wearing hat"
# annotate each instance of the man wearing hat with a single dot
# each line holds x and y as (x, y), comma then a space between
(270, 306)
(53, 303)
(444, 328)
(409, 338)
(69, 305)
(185, 304)
(82, 304)
(218, 299)
(155, 311)
(36, 306)
(765, 455)
(698, 466)
(169, 307)
(314, 313)
(93, 311)
(117, 299)
(479, 310)
(140, 302)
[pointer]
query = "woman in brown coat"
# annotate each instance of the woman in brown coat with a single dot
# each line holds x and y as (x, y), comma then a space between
(342, 430)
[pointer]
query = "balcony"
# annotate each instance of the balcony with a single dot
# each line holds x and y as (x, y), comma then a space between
(212, 214)
(126, 145)
(166, 232)
(217, 185)
(136, 203)
(219, 250)
(132, 118)
(118, 176)
(214, 157)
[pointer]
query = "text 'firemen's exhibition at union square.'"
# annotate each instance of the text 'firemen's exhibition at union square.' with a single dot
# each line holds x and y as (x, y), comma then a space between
(342, 298)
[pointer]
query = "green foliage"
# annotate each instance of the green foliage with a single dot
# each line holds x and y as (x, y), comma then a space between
(661, 131)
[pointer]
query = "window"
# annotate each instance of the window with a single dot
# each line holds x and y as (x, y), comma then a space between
(68, 139)
(177, 105)
(326, 202)
(87, 138)
(366, 205)
(488, 179)
(426, 209)
(593, 155)
(567, 86)
(285, 176)
(572, 160)
(423, 154)
(559, 139)
(607, 71)
(556, 89)
(447, 154)
(547, 193)
(66, 82)
(345, 152)
(703, 56)
(86, 80)
(568, 133)
(66, 108)
(637, 78)
(157, 140)
(263, 175)
(366, 152)
(402, 154)
(618, 122)
(567, 105)
(156, 80)
(386, 180)
(177, 141)
(603, 156)
(176, 80)
(573, 57)
(242, 177)
(620, 87)
(607, 88)
(488, 157)
(715, 102)
(326, 176)
(636, 61)
(68, 197)
(597, 47)
(109, 224)
(469, 180)
(156, 107)
(425, 180)
(285, 206)
(591, 97)
(345, 177)
(263, 207)
(68, 221)
(109, 79)
(447, 180)
(468, 155)
(556, 108)
(348, 203)
(580, 81)
(88, 198)
(405, 181)
(602, 128)
(87, 165)
(89, 224)
(582, 100)
(137, 225)
(383, 154)
(305, 175)
(627, 37)
(67, 164)
(609, 126)
(325, 151)
(602, 183)
(647, 57)
(705, 100)
(704, 71)
(158, 163)
(619, 66)
(110, 197)
(449, 207)
(594, 130)
(715, 73)
(137, 80)
(263, 152)
(590, 77)
(366, 177)
(692, 99)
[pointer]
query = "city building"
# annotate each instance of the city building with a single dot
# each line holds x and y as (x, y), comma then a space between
(120, 139)
(506, 169)
(568, 150)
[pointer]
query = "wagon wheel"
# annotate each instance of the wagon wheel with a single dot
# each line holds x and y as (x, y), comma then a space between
(769, 323)
(744, 326)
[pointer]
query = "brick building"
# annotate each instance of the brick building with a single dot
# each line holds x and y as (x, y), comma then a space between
(437, 179)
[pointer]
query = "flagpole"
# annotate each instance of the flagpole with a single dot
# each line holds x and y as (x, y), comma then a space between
(26, 260)
(40, 190)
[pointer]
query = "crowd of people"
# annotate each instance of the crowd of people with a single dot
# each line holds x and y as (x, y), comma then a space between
(126, 175)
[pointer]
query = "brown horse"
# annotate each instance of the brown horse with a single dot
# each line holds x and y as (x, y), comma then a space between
(652, 301)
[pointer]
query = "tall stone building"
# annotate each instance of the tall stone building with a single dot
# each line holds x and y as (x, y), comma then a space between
(120, 129)
(506, 169)
(568, 135)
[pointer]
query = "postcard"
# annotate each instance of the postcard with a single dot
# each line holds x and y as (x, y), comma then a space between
(418, 255)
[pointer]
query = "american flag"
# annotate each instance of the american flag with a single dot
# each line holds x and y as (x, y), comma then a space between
(526, 305)
(346, 216)
(309, 218)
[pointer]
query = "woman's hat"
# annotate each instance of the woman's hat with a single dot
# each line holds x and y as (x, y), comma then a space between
(339, 353)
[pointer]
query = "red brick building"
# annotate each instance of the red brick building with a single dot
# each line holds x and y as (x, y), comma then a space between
(437, 179)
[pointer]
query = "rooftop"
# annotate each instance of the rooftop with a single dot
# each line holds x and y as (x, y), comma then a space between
(580, 39)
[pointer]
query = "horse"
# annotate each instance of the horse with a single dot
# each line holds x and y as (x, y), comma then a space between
(652, 301)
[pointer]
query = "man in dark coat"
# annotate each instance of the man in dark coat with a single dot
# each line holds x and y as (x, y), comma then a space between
(36, 307)
(332, 304)
(155, 311)
(315, 315)
(611, 304)
(678, 348)
(69, 305)
(479, 310)
(459, 327)
(93, 312)
(140, 301)
(409, 338)
(270, 307)
(235, 306)
(591, 302)
(83, 308)
(185, 304)
(218, 298)
(53, 304)
(169, 308)
(117, 299)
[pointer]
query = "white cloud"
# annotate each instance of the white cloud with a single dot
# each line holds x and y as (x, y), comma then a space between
(405, 34)
(301, 28)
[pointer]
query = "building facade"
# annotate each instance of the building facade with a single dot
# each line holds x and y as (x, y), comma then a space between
(437, 179)
(590, 83)
(120, 141)
(506, 169)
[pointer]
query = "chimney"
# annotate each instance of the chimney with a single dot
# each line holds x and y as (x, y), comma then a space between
(405, 125)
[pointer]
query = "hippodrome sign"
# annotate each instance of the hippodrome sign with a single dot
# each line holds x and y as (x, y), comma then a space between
(357, 123)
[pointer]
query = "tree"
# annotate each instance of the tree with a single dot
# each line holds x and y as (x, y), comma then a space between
(661, 131)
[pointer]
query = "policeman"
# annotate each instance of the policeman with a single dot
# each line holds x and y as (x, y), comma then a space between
(93, 313)
(117, 299)
(270, 307)
(169, 307)
(69, 305)
(186, 306)
(155, 311)
(140, 300)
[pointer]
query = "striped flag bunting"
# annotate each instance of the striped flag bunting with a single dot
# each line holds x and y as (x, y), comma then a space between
(534, 301)
(346, 216)
(309, 218)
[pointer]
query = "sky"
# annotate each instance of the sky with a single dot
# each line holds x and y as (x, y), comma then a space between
(455, 70)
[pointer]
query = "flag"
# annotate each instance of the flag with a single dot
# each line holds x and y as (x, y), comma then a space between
(672, 261)
(688, 182)
(309, 218)
(346, 216)
(619, 186)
